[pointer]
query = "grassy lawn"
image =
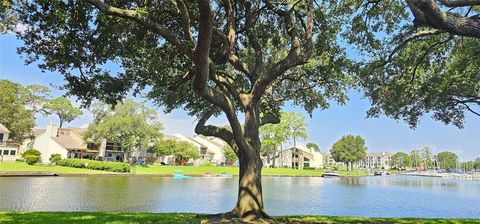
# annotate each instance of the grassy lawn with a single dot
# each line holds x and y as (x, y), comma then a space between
(21, 166)
(168, 170)
(137, 218)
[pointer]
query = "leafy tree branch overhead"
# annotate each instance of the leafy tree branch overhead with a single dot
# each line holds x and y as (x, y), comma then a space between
(428, 66)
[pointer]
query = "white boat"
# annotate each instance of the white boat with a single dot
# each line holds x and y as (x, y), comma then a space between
(330, 175)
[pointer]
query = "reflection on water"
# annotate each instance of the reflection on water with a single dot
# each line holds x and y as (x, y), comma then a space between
(398, 196)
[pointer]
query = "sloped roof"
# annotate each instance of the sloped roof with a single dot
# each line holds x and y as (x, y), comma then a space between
(38, 131)
(78, 131)
(69, 142)
(3, 129)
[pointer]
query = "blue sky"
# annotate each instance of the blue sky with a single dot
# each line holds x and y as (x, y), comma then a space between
(324, 128)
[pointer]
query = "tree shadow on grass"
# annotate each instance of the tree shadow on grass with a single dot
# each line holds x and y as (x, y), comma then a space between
(189, 218)
(96, 218)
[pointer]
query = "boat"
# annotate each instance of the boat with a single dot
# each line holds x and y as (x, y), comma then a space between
(180, 176)
(223, 175)
(330, 175)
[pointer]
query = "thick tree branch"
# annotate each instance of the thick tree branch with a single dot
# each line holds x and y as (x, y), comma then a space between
(459, 3)
(295, 56)
(269, 118)
(204, 68)
(136, 17)
(428, 13)
(185, 18)
(210, 130)
(252, 39)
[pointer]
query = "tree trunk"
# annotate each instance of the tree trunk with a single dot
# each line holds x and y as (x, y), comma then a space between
(268, 156)
(250, 198)
(281, 155)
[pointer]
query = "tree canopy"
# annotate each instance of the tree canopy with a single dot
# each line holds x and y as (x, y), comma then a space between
(447, 160)
(429, 66)
(130, 124)
(349, 149)
(402, 160)
(313, 146)
(14, 113)
(181, 150)
(63, 108)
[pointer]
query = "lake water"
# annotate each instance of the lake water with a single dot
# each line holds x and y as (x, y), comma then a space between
(389, 196)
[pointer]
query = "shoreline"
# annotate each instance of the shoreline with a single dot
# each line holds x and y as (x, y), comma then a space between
(55, 174)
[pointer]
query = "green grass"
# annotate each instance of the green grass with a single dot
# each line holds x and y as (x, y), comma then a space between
(138, 218)
(21, 166)
(169, 170)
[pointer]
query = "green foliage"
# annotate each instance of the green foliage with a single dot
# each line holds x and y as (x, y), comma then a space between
(313, 146)
(436, 74)
(426, 156)
(182, 150)
(447, 160)
(62, 107)
(95, 165)
(229, 154)
(149, 62)
(37, 97)
(31, 152)
(31, 159)
(8, 19)
(476, 164)
(295, 124)
(349, 149)
(402, 160)
(13, 112)
(130, 124)
(415, 156)
(54, 158)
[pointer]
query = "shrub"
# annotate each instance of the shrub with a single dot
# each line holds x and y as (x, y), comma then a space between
(31, 159)
(31, 152)
(309, 168)
(95, 165)
(54, 158)
(207, 164)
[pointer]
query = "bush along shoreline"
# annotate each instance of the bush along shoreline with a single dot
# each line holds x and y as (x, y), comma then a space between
(95, 165)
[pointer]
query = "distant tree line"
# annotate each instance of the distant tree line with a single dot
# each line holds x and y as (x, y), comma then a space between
(20, 104)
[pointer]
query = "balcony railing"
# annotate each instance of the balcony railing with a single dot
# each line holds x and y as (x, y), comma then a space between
(8, 143)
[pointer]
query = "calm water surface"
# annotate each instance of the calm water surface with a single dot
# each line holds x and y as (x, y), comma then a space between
(396, 196)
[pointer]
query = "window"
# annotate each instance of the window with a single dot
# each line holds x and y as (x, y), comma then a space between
(92, 146)
(13, 152)
(5, 152)
(1, 137)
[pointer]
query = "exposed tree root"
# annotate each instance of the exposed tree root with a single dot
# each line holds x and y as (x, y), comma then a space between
(231, 217)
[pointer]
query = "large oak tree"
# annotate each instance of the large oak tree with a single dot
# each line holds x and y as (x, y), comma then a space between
(240, 58)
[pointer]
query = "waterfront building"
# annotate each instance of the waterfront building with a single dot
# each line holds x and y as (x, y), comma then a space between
(297, 157)
(69, 143)
(376, 160)
(372, 160)
(8, 149)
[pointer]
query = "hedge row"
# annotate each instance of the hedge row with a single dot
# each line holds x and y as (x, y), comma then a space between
(95, 165)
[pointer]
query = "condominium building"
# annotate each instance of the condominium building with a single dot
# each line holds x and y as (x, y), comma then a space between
(8, 149)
